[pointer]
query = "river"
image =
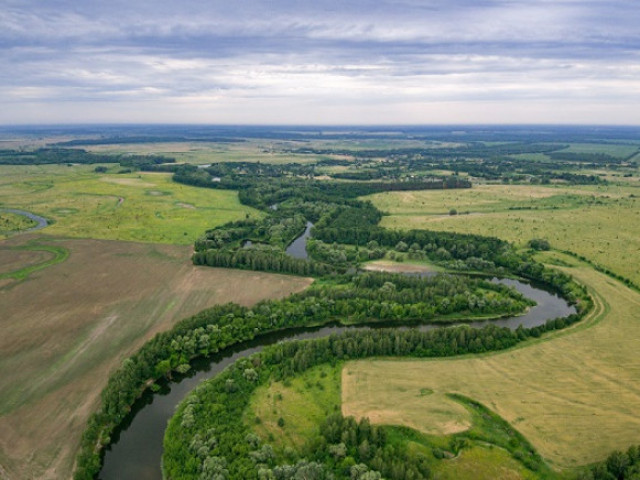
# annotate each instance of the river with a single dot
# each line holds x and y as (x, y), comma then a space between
(136, 449)
(298, 248)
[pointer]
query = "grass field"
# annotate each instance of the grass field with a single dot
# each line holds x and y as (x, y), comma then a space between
(137, 207)
(613, 149)
(287, 415)
(302, 402)
(201, 153)
(601, 223)
(66, 326)
(10, 223)
(574, 395)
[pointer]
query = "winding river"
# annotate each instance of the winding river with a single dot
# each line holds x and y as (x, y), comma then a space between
(136, 449)
(41, 221)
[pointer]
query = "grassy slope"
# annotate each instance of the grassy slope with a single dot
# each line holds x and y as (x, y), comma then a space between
(68, 325)
(574, 395)
(604, 228)
(138, 207)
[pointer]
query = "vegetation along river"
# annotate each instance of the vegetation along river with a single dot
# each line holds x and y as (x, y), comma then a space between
(136, 449)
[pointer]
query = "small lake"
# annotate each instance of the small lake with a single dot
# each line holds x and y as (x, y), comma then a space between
(298, 248)
(41, 221)
(136, 450)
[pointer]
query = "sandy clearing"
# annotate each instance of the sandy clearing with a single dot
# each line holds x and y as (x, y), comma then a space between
(129, 182)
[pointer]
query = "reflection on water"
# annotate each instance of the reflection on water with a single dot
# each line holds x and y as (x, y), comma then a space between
(298, 248)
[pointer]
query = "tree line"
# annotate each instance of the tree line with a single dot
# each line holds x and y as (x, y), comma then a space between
(72, 155)
(222, 326)
(215, 408)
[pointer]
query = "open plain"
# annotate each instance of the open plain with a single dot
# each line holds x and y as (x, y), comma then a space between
(573, 395)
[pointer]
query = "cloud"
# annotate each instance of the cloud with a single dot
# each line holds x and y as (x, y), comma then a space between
(386, 56)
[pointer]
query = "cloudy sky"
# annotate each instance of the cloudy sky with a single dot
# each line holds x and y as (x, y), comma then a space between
(320, 62)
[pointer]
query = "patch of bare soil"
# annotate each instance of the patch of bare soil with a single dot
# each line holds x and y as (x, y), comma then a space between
(395, 267)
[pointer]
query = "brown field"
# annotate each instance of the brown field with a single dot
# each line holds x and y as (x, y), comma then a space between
(574, 395)
(67, 326)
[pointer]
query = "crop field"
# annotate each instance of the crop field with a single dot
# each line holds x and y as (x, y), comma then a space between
(66, 326)
(204, 152)
(288, 415)
(600, 223)
(138, 207)
(574, 394)
(613, 149)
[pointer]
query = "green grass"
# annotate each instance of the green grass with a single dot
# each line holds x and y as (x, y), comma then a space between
(12, 223)
(201, 153)
(302, 402)
(60, 254)
(139, 207)
(614, 149)
(572, 394)
(600, 223)
(482, 462)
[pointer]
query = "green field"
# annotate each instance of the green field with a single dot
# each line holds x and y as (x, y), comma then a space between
(139, 207)
(11, 223)
(574, 394)
(600, 223)
(302, 402)
(288, 415)
(613, 149)
(204, 152)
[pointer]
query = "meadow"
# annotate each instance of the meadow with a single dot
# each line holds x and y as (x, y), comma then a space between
(144, 207)
(11, 222)
(67, 326)
(573, 394)
(201, 153)
(288, 415)
(601, 223)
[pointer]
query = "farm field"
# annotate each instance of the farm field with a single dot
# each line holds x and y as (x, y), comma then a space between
(205, 152)
(67, 326)
(600, 223)
(145, 207)
(574, 395)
